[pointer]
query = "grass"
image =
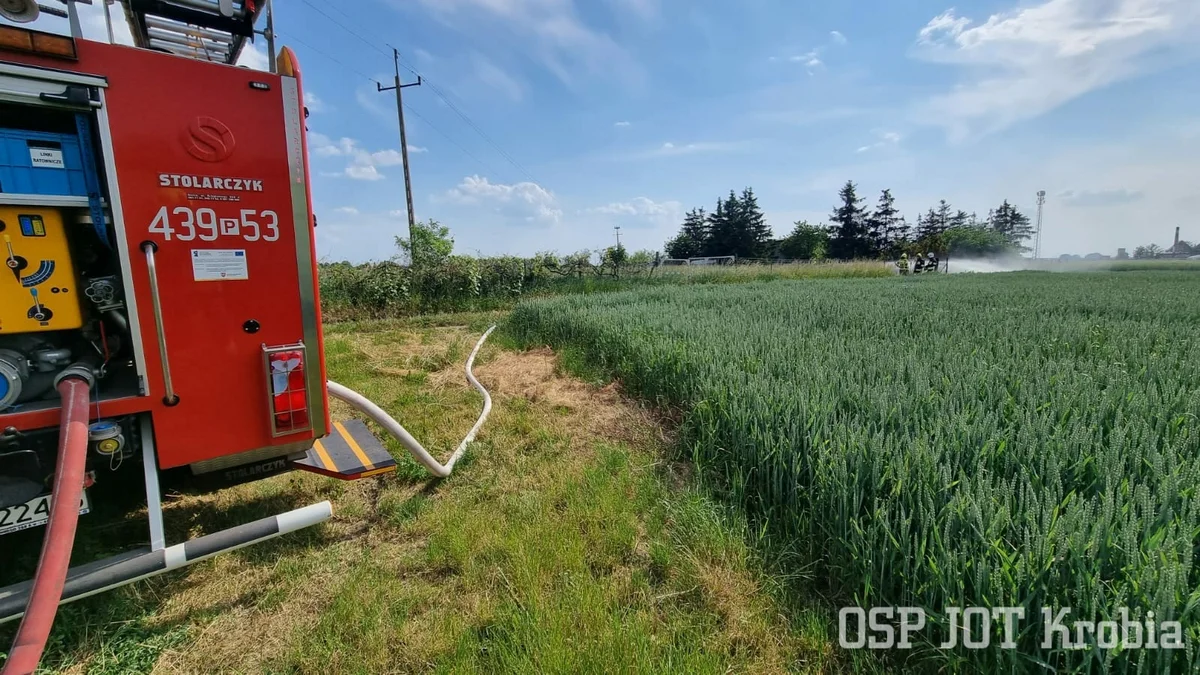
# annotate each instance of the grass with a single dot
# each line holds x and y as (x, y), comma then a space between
(566, 541)
(1026, 440)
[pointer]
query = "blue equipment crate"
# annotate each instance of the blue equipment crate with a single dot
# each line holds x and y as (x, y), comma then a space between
(40, 163)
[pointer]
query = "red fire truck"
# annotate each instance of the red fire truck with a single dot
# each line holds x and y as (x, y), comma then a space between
(159, 309)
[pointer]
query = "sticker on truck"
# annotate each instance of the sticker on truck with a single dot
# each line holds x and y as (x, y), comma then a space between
(219, 264)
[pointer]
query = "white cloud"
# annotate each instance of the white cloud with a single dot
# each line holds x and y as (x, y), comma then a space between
(364, 165)
(358, 172)
(416, 149)
(398, 213)
(347, 209)
(622, 123)
(1021, 64)
(383, 158)
(324, 146)
(423, 55)
(495, 77)
(887, 139)
(837, 37)
(313, 102)
(642, 208)
(811, 59)
(670, 149)
(526, 201)
(945, 23)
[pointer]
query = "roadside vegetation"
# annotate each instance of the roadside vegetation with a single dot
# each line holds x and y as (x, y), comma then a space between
(427, 277)
(435, 280)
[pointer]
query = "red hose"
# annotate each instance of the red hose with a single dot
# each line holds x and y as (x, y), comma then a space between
(59, 539)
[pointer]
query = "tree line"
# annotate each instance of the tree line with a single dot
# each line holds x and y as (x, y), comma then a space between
(1180, 250)
(738, 228)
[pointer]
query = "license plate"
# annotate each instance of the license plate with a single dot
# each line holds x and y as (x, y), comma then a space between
(32, 513)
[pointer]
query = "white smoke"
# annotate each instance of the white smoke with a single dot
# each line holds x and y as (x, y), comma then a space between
(988, 265)
(1018, 264)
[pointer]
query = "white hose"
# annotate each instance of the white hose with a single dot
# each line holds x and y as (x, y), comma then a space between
(401, 434)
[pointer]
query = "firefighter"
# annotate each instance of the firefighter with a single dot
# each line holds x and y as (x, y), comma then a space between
(902, 264)
(932, 264)
(919, 264)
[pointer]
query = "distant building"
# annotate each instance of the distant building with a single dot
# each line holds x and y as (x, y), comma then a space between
(1097, 256)
(1180, 249)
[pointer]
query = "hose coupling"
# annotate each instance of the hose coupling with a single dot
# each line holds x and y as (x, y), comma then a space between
(79, 370)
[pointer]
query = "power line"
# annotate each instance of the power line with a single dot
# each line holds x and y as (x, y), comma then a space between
(443, 96)
(345, 28)
(452, 141)
(404, 63)
(431, 125)
(334, 59)
(438, 92)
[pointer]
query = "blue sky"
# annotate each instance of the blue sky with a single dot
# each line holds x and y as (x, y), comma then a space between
(630, 112)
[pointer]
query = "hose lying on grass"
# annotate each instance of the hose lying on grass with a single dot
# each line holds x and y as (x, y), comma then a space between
(401, 434)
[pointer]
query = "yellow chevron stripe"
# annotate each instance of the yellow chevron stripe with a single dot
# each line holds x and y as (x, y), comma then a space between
(324, 456)
(362, 456)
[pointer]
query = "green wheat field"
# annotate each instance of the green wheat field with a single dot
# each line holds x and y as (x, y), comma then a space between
(1024, 440)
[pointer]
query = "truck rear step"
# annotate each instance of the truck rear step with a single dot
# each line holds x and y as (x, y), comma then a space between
(350, 452)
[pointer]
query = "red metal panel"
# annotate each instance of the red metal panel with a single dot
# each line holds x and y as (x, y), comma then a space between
(173, 121)
(202, 162)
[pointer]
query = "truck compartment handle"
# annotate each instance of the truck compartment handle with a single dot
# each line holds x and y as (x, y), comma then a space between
(169, 397)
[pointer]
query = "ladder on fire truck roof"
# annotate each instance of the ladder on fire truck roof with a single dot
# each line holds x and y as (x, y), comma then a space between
(207, 30)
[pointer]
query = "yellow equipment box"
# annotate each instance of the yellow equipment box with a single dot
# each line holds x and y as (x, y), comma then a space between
(38, 290)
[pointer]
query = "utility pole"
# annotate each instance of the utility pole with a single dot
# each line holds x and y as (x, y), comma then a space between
(412, 220)
(618, 229)
(1037, 242)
